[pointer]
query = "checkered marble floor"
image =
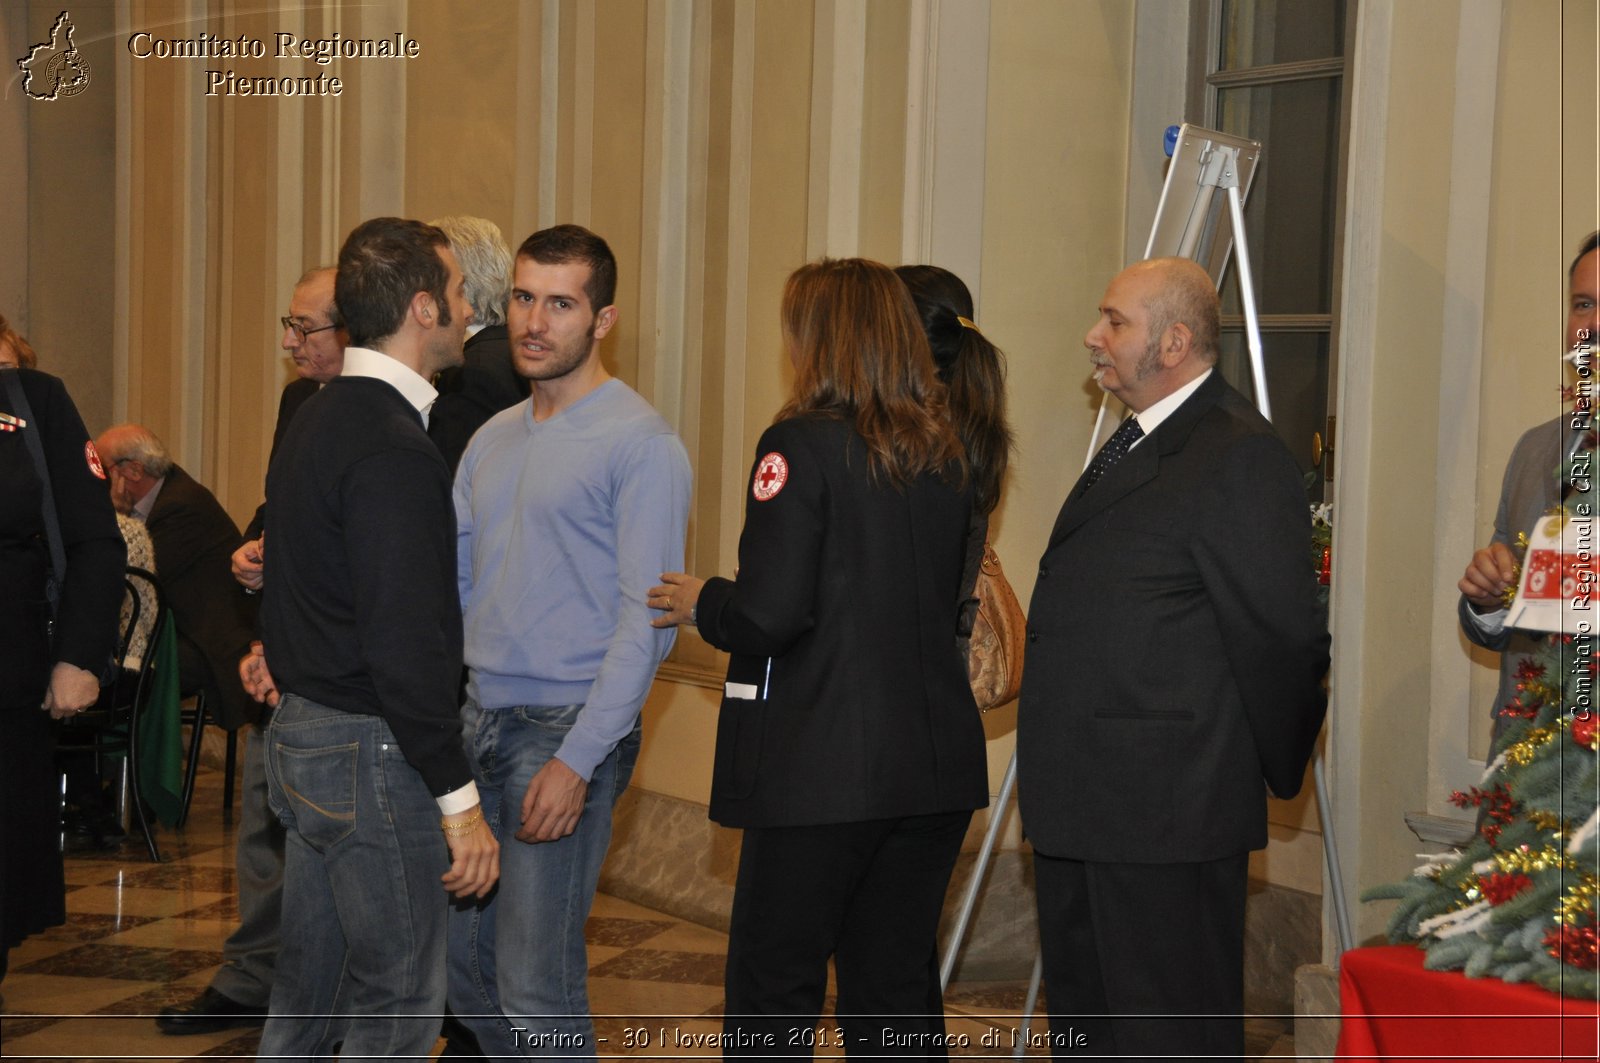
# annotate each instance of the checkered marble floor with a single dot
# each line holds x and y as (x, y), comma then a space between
(141, 936)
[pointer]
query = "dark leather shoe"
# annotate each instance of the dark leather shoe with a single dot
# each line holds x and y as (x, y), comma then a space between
(209, 1012)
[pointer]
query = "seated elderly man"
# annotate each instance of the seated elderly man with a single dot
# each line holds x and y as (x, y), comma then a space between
(194, 539)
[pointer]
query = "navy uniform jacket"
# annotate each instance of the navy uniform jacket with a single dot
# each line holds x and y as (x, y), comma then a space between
(842, 624)
(86, 626)
(1176, 649)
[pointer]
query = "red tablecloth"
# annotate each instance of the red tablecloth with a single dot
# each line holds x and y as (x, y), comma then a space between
(1393, 1009)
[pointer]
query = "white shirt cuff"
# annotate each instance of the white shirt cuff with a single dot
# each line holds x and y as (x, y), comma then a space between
(1488, 623)
(458, 800)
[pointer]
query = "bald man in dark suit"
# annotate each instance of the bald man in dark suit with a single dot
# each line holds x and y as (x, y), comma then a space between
(1175, 662)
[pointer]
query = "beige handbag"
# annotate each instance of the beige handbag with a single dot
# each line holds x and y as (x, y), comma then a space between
(994, 655)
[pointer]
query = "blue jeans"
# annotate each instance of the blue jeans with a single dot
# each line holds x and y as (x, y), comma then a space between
(364, 913)
(519, 972)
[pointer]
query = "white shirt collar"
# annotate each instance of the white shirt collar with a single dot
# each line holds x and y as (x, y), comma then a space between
(1152, 416)
(361, 361)
(142, 508)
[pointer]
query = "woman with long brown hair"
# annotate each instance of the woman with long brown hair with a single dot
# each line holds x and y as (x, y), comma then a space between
(848, 746)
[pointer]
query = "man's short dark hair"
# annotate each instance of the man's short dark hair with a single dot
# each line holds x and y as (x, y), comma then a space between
(1590, 242)
(560, 244)
(384, 263)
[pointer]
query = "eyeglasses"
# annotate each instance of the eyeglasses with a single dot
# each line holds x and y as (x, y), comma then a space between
(301, 331)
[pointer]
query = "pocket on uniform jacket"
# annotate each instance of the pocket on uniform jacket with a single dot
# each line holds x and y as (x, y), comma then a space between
(1153, 714)
(320, 787)
(738, 760)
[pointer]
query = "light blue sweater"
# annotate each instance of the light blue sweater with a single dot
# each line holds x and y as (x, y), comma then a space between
(564, 525)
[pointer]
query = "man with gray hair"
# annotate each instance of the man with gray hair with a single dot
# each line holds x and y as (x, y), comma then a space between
(486, 382)
(193, 537)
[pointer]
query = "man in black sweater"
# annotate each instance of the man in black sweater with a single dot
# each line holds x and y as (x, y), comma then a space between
(314, 337)
(362, 625)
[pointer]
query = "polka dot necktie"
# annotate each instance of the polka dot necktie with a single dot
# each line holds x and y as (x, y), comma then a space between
(1122, 440)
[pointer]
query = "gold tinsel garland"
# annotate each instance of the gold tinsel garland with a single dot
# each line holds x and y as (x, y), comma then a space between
(1525, 859)
(1522, 753)
(1578, 901)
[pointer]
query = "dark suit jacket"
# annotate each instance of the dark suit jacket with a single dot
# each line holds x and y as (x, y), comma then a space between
(194, 540)
(294, 393)
(1176, 650)
(471, 393)
(852, 591)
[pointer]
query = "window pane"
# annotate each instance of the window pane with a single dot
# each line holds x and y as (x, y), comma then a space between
(1297, 383)
(1289, 217)
(1262, 32)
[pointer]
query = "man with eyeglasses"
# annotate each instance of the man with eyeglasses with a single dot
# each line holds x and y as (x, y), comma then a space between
(314, 336)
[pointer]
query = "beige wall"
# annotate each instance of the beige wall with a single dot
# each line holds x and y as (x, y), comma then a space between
(60, 217)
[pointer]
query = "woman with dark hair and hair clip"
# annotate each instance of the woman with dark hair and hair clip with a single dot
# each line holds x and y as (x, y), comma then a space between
(848, 746)
(973, 370)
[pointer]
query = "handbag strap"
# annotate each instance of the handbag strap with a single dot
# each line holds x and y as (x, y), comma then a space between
(52, 524)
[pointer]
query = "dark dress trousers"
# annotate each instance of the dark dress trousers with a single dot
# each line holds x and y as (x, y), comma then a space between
(1174, 673)
(485, 383)
(250, 954)
(194, 539)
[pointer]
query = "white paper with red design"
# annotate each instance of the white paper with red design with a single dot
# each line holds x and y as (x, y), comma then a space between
(1558, 578)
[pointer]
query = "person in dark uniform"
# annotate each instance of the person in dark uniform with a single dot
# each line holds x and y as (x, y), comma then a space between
(54, 668)
(849, 747)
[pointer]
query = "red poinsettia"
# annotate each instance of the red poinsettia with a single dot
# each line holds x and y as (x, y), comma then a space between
(1575, 946)
(1500, 888)
(1498, 806)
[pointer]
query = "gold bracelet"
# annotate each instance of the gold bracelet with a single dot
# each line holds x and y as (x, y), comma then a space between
(460, 830)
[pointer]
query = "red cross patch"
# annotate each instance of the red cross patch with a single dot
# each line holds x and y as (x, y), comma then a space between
(772, 472)
(92, 456)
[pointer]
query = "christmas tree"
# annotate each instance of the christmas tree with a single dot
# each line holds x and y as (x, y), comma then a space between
(1519, 902)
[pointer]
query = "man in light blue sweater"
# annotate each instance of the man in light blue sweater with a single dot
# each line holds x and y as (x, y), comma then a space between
(569, 506)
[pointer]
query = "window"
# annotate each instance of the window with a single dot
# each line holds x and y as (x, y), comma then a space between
(1274, 71)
